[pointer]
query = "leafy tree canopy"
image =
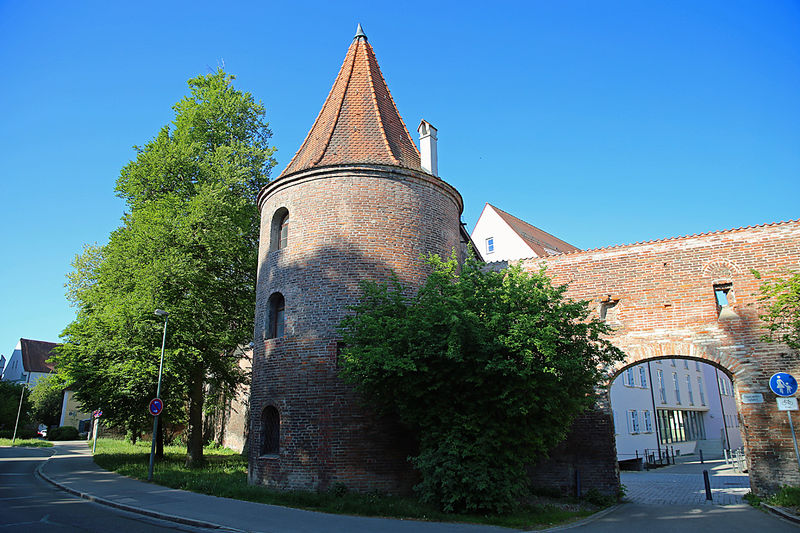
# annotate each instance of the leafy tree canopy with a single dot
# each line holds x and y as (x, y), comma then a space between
(188, 244)
(781, 298)
(46, 398)
(10, 393)
(488, 369)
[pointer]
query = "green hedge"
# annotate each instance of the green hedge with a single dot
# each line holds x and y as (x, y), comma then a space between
(63, 433)
(22, 433)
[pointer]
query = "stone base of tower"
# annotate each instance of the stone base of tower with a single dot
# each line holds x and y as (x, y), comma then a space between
(327, 437)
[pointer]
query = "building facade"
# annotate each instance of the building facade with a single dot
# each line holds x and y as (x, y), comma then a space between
(29, 362)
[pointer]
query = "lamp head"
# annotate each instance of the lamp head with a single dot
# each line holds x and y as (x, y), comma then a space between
(159, 312)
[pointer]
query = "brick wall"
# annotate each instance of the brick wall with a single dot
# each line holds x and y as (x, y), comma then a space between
(666, 307)
(346, 224)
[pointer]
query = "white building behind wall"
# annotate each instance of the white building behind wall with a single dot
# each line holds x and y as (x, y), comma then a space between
(676, 403)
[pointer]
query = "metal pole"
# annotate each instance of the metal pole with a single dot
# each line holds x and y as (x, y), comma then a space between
(707, 484)
(158, 395)
(794, 437)
(655, 412)
(94, 432)
(19, 410)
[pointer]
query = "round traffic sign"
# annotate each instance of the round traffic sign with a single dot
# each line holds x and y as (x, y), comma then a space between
(156, 406)
(783, 384)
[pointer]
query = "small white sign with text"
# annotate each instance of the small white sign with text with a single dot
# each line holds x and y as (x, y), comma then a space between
(787, 404)
(752, 397)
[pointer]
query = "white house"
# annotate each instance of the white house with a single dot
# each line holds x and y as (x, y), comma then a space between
(500, 236)
(676, 403)
(28, 363)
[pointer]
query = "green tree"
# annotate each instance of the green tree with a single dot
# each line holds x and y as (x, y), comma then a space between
(9, 404)
(188, 244)
(781, 298)
(488, 368)
(46, 398)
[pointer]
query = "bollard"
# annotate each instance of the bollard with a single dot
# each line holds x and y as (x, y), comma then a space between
(701, 456)
(708, 484)
(725, 451)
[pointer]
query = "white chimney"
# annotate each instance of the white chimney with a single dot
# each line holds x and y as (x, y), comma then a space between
(427, 148)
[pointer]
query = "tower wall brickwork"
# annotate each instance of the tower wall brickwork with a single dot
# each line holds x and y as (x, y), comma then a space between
(346, 224)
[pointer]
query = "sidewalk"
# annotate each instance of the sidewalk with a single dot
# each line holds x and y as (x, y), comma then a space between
(683, 484)
(72, 468)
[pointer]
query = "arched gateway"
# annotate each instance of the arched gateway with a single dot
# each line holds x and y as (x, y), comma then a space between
(696, 297)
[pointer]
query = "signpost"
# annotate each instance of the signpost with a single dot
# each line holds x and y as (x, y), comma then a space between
(784, 385)
(156, 406)
(95, 422)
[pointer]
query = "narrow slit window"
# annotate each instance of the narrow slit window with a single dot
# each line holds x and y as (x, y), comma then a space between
(271, 431)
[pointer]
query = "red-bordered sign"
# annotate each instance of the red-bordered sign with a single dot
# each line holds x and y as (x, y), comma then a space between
(156, 406)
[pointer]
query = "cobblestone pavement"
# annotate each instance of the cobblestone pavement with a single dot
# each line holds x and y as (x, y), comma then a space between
(683, 484)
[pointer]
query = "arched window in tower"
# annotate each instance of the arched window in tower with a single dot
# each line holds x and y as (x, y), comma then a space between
(270, 431)
(276, 316)
(279, 234)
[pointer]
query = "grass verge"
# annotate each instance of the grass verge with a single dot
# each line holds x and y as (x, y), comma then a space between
(31, 443)
(225, 474)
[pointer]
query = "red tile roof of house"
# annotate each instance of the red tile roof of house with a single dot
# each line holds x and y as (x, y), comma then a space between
(359, 122)
(35, 355)
(540, 241)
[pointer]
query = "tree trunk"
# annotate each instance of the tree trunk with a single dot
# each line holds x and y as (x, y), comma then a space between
(194, 451)
(160, 439)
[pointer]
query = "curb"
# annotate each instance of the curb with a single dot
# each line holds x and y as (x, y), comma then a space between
(130, 508)
(588, 520)
(781, 512)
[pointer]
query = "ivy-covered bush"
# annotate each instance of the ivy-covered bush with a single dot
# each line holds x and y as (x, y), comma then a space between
(488, 368)
(63, 433)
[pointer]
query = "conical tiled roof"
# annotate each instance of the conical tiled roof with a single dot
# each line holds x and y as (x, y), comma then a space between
(359, 122)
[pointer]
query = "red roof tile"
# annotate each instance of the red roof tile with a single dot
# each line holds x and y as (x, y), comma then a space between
(359, 122)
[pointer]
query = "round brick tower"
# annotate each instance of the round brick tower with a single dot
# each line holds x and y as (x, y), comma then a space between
(353, 204)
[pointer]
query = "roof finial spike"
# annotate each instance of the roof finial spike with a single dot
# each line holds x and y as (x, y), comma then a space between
(360, 33)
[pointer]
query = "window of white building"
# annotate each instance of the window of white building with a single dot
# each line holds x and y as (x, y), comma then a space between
(661, 389)
(643, 377)
(633, 420)
(702, 392)
(677, 387)
(490, 245)
(648, 423)
(629, 377)
(689, 388)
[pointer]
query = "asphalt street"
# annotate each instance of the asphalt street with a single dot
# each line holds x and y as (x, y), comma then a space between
(31, 505)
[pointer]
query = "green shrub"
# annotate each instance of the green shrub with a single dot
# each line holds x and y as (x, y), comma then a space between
(63, 433)
(595, 497)
(22, 433)
(786, 497)
(752, 499)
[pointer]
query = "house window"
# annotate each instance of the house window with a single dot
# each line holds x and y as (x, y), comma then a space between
(702, 392)
(672, 362)
(629, 377)
(689, 386)
(633, 421)
(279, 233)
(686, 364)
(270, 431)
(648, 423)
(661, 389)
(276, 316)
(490, 245)
(677, 387)
(643, 376)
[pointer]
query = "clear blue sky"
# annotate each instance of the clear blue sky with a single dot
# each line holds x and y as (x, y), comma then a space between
(601, 122)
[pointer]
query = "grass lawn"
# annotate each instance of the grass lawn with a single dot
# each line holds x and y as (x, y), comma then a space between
(32, 443)
(226, 475)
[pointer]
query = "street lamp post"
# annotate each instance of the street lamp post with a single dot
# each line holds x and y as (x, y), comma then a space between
(158, 312)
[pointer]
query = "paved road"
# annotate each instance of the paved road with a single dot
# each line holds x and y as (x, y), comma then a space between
(29, 504)
(636, 518)
(682, 484)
